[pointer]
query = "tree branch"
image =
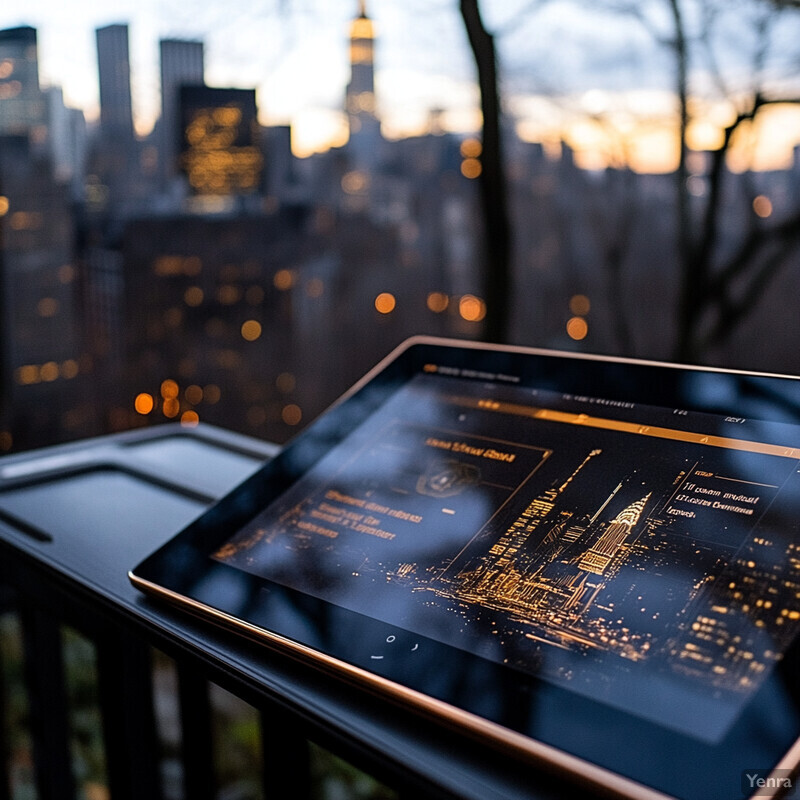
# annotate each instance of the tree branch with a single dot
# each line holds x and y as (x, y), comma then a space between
(497, 269)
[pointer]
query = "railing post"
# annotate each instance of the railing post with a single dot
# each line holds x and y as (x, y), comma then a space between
(47, 697)
(197, 744)
(129, 730)
(286, 772)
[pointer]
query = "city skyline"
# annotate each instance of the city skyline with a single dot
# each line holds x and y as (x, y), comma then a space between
(301, 77)
(153, 279)
(299, 66)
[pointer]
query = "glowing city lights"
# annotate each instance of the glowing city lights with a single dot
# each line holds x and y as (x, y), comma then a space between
(579, 305)
(49, 371)
(218, 161)
(193, 296)
(362, 28)
(577, 328)
(212, 394)
(70, 369)
(437, 302)
(27, 375)
(144, 403)
(471, 148)
(171, 407)
(385, 303)
(189, 419)
(193, 394)
(762, 206)
(169, 389)
(471, 168)
(291, 414)
(471, 308)
(251, 330)
(376, 213)
(283, 280)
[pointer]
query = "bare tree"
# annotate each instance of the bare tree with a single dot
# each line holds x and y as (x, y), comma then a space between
(718, 291)
(721, 278)
(719, 281)
(494, 200)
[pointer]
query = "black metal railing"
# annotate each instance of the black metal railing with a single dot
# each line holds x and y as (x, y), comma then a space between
(104, 694)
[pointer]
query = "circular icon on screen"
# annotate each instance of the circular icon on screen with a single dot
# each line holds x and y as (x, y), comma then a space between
(447, 478)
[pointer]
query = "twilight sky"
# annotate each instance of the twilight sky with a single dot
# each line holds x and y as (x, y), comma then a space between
(599, 80)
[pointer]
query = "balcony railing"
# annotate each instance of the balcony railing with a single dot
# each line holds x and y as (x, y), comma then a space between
(105, 694)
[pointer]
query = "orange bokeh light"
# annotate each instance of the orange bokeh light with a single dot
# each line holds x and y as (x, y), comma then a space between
(577, 328)
(251, 330)
(144, 403)
(169, 389)
(291, 414)
(385, 303)
(471, 308)
(190, 419)
(438, 302)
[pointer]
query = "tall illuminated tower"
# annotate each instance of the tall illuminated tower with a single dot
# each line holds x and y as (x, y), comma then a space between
(600, 555)
(365, 134)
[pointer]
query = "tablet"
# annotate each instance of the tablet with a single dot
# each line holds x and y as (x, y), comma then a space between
(592, 563)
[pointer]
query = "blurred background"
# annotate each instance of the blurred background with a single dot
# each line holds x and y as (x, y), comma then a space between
(229, 212)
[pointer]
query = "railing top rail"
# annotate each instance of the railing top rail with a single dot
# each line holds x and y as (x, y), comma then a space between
(74, 519)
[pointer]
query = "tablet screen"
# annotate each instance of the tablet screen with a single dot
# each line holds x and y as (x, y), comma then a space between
(639, 558)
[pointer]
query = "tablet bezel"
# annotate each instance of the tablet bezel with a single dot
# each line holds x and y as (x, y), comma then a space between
(177, 571)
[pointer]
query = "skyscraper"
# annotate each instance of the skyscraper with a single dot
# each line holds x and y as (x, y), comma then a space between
(67, 140)
(114, 72)
(220, 147)
(602, 552)
(114, 160)
(365, 135)
(22, 108)
(40, 355)
(182, 64)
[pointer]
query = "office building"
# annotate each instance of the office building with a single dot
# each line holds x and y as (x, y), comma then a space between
(114, 163)
(220, 149)
(182, 64)
(43, 372)
(114, 73)
(22, 107)
(67, 141)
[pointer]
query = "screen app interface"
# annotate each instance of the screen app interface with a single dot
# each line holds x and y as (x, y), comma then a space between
(645, 557)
